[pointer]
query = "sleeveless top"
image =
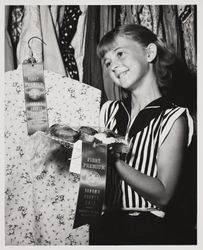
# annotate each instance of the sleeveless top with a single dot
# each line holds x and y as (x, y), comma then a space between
(145, 134)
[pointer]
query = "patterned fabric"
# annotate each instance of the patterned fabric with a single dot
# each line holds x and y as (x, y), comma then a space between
(17, 13)
(79, 38)
(40, 200)
(145, 133)
(129, 14)
(66, 33)
(187, 19)
(146, 15)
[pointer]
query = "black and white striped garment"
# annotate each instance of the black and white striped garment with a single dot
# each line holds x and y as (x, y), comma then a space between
(145, 133)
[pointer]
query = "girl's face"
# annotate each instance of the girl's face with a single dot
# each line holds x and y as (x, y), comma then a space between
(126, 63)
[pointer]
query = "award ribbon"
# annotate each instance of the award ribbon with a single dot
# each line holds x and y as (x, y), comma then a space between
(35, 97)
(92, 184)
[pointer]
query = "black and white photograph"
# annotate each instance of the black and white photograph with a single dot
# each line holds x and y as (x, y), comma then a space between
(100, 124)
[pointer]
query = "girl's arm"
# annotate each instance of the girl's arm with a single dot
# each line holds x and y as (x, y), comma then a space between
(169, 160)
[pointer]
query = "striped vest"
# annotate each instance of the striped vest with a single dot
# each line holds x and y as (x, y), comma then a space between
(145, 134)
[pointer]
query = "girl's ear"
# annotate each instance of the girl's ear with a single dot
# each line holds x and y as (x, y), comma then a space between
(151, 52)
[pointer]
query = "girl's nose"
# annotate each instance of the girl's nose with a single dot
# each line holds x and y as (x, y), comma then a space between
(114, 66)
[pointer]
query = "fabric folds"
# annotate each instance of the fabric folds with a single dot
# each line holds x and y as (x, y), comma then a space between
(51, 52)
(66, 33)
(31, 27)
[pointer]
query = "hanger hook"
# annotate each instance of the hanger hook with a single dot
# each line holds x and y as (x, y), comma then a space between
(30, 40)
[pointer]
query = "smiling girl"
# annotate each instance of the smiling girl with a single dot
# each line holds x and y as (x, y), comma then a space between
(140, 187)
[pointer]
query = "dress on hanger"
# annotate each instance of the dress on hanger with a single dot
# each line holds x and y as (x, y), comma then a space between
(40, 200)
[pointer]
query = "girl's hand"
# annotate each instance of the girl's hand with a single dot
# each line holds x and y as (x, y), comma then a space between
(114, 156)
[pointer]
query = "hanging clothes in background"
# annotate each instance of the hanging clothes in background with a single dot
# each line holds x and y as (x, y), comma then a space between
(60, 14)
(149, 16)
(157, 26)
(91, 63)
(173, 23)
(66, 33)
(78, 41)
(51, 53)
(161, 19)
(187, 18)
(9, 59)
(129, 14)
(17, 13)
(136, 10)
(172, 29)
(31, 27)
(15, 17)
(54, 13)
(108, 13)
(146, 17)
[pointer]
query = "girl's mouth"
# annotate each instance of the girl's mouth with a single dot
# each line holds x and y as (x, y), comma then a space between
(122, 74)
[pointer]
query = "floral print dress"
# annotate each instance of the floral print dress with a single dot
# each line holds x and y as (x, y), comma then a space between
(40, 199)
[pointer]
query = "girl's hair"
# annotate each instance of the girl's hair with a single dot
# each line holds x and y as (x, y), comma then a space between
(164, 60)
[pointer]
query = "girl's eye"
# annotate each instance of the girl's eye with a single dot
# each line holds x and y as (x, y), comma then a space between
(107, 64)
(120, 53)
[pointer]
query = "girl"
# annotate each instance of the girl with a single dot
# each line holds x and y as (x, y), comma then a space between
(141, 186)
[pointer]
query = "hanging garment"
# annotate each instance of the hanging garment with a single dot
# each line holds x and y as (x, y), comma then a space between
(15, 23)
(16, 14)
(130, 14)
(157, 27)
(40, 201)
(57, 13)
(66, 33)
(136, 9)
(91, 64)
(54, 10)
(150, 17)
(78, 41)
(187, 17)
(127, 14)
(108, 13)
(31, 27)
(61, 10)
(172, 30)
(51, 53)
(146, 17)
(8, 56)
(123, 14)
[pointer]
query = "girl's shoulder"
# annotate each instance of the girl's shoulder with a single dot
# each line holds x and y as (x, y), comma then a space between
(110, 106)
(175, 114)
(111, 114)
(111, 103)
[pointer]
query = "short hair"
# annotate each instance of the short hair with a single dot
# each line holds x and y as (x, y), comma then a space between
(162, 63)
